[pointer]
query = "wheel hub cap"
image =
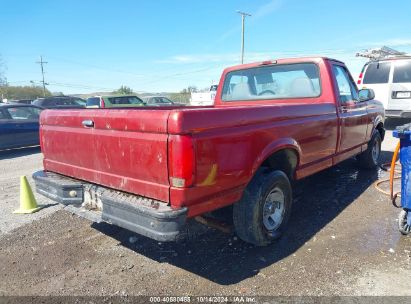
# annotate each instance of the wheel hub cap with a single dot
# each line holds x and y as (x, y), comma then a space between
(273, 211)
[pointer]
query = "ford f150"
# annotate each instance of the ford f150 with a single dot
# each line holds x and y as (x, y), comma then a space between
(151, 169)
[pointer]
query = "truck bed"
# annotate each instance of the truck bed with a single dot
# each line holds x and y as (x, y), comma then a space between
(116, 152)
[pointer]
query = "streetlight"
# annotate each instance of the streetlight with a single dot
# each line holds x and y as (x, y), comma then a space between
(243, 15)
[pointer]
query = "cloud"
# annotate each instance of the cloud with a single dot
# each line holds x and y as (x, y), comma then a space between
(395, 42)
(267, 9)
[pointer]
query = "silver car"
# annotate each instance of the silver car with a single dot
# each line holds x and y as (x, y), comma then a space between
(158, 101)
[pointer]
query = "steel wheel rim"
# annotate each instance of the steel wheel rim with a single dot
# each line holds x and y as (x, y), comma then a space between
(375, 152)
(273, 209)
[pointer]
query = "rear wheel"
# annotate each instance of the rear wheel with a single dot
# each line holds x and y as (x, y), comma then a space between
(369, 159)
(264, 209)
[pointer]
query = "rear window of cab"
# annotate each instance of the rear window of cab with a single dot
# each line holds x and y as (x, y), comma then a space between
(280, 81)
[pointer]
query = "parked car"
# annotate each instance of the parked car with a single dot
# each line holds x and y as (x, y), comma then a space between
(19, 125)
(60, 102)
(114, 101)
(273, 122)
(22, 101)
(159, 101)
(390, 78)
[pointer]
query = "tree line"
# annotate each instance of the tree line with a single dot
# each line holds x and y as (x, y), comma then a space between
(33, 92)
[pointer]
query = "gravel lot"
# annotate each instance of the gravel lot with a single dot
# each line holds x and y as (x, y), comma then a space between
(13, 164)
(342, 240)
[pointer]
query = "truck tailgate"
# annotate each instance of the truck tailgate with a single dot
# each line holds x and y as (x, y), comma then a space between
(124, 149)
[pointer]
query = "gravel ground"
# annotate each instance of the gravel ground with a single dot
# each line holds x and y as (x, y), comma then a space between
(342, 240)
(13, 164)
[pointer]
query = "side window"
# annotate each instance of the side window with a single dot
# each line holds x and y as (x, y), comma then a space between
(93, 102)
(48, 103)
(24, 113)
(346, 88)
(402, 72)
(134, 100)
(3, 115)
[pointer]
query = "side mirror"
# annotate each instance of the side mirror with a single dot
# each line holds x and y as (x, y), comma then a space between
(366, 94)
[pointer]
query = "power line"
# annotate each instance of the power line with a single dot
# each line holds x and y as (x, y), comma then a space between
(41, 62)
(79, 86)
(98, 67)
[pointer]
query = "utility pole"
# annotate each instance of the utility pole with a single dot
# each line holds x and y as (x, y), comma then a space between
(41, 62)
(243, 15)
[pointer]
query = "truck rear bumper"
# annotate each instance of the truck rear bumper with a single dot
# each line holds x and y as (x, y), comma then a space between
(398, 113)
(145, 216)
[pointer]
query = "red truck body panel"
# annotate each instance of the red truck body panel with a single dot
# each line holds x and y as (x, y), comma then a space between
(217, 149)
(224, 164)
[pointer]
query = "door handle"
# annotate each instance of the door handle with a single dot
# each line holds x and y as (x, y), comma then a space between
(88, 123)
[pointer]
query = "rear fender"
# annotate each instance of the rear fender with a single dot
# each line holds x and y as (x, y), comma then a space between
(278, 145)
(378, 120)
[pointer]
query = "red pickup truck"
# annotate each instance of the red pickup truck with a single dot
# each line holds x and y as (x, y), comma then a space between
(151, 169)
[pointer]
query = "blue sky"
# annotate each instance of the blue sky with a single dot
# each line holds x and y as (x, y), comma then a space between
(156, 46)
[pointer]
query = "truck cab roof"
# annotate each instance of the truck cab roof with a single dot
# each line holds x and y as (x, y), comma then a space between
(280, 61)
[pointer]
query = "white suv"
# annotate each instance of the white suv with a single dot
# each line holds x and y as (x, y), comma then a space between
(390, 78)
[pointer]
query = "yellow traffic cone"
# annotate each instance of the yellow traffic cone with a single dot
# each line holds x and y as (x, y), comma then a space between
(28, 203)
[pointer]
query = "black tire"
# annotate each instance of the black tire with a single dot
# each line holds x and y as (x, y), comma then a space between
(403, 227)
(369, 159)
(250, 220)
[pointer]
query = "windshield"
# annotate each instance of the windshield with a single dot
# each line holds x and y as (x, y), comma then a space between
(38, 102)
(93, 101)
(377, 72)
(125, 100)
(22, 113)
(80, 101)
(160, 100)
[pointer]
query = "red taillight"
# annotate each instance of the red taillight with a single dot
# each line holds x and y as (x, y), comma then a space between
(102, 104)
(181, 161)
(41, 138)
(359, 78)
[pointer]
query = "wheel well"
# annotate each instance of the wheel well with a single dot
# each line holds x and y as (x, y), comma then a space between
(285, 160)
(380, 128)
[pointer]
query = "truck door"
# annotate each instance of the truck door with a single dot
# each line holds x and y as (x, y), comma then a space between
(352, 113)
